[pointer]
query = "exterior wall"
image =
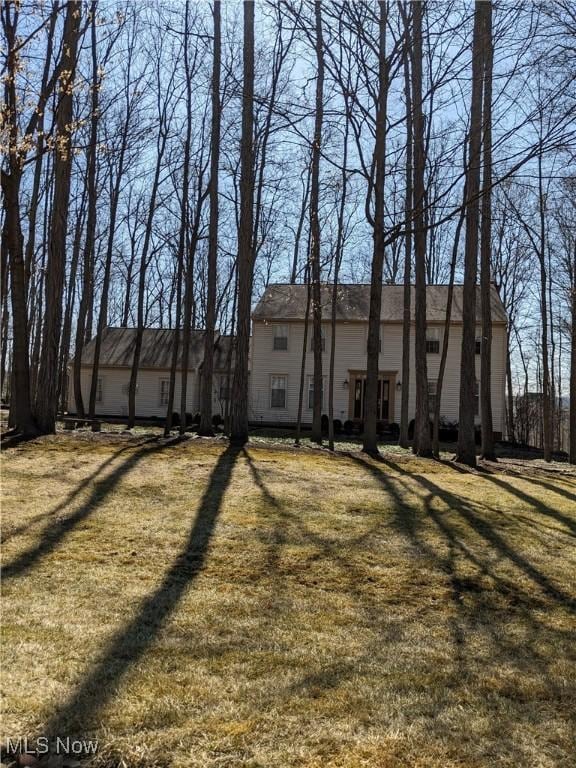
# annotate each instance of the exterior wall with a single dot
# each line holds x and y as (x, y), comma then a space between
(115, 398)
(351, 356)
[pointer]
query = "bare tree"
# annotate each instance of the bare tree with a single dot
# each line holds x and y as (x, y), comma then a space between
(422, 442)
(239, 414)
(315, 267)
(488, 451)
(466, 451)
(370, 440)
(208, 364)
(46, 404)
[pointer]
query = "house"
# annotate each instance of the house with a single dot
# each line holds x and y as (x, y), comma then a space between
(116, 355)
(276, 354)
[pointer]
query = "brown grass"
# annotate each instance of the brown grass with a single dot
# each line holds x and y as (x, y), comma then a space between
(194, 605)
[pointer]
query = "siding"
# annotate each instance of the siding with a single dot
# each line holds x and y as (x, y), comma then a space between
(350, 356)
(115, 398)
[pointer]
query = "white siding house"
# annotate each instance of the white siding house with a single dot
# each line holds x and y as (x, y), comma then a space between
(154, 374)
(277, 339)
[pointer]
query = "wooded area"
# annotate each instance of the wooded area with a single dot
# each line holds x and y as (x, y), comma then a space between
(164, 162)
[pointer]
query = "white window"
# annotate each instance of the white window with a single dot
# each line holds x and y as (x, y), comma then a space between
(432, 341)
(311, 391)
(280, 337)
(164, 391)
(476, 399)
(278, 391)
(432, 395)
(323, 344)
(99, 390)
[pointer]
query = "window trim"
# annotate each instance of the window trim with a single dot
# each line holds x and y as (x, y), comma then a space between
(163, 380)
(276, 326)
(279, 376)
(433, 338)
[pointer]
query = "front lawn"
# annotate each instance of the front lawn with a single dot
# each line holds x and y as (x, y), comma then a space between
(197, 606)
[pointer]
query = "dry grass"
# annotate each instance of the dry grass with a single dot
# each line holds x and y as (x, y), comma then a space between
(193, 605)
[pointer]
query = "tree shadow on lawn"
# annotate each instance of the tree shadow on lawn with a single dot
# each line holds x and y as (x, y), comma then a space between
(55, 532)
(512, 620)
(79, 713)
(536, 503)
(16, 531)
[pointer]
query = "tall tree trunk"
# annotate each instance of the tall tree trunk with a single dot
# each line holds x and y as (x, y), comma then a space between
(87, 272)
(488, 451)
(304, 354)
(70, 301)
(47, 399)
(446, 337)
(181, 240)
(546, 393)
(143, 269)
(337, 263)
(408, 203)
(239, 415)
(208, 364)
(370, 440)
(189, 320)
(573, 367)
(315, 270)
(12, 241)
(466, 451)
(300, 226)
(422, 438)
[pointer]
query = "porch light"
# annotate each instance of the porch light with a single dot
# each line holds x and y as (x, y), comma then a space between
(398, 385)
(345, 384)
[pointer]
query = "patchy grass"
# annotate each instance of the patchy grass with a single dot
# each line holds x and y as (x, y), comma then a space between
(190, 604)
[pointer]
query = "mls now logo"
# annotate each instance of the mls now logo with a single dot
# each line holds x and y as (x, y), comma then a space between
(41, 746)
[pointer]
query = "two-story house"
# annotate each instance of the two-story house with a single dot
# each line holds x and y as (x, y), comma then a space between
(276, 353)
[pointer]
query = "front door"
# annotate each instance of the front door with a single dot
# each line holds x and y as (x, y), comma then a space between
(359, 398)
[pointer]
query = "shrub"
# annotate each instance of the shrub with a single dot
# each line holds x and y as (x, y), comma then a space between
(216, 420)
(324, 423)
(175, 419)
(189, 421)
(348, 427)
(337, 426)
(196, 419)
(394, 430)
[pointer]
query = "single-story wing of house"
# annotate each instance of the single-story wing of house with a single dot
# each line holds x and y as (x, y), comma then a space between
(115, 365)
(278, 335)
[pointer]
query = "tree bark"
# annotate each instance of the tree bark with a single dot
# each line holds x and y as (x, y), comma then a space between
(573, 367)
(208, 364)
(239, 414)
(88, 260)
(370, 439)
(315, 270)
(422, 438)
(47, 399)
(408, 203)
(466, 451)
(337, 262)
(487, 450)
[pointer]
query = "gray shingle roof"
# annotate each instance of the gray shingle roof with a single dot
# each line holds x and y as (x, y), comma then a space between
(118, 348)
(288, 302)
